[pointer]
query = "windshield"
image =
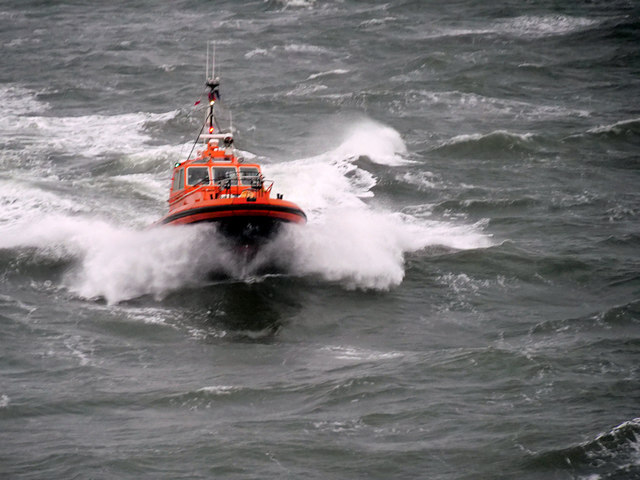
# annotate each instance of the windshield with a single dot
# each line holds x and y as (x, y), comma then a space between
(197, 176)
(247, 174)
(220, 174)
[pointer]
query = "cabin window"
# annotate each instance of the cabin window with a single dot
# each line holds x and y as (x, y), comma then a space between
(198, 176)
(178, 180)
(248, 174)
(220, 174)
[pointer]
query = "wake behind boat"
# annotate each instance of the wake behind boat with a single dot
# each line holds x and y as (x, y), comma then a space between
(217, 186)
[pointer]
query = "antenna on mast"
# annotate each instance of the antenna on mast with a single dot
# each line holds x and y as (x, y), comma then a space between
(213, 61)
(213, 84)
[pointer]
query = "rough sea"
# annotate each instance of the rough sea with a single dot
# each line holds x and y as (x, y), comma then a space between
(464, 302)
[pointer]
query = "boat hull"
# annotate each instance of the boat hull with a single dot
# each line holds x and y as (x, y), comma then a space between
(245, 222)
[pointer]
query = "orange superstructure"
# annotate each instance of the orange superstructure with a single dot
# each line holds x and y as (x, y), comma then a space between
(218, 186)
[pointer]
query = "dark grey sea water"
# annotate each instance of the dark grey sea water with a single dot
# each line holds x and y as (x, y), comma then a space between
(464, 302)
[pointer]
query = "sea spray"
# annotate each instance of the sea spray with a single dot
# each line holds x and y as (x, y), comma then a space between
(346, 240)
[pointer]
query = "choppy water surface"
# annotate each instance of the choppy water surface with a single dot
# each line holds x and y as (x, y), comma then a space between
(464, 302)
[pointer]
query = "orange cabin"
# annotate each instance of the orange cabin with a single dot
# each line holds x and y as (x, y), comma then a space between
(215, 174)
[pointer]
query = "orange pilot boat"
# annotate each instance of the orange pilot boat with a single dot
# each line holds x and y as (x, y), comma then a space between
(218, 186)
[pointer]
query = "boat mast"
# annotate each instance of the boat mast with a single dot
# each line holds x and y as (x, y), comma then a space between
(213, 83)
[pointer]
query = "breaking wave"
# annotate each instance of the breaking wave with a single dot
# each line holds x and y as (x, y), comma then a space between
(347, 240)
(26, 126)
(614, 454)
(490, 143)
(628, 128)
(546, 25)
(525, 26)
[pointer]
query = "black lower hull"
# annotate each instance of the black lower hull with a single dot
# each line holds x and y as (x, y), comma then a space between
(247, 231)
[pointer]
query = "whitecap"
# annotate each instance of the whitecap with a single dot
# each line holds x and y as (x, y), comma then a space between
(255, 52)
(474, 137)
(306, 90)
(219, 389)
(423, 180)
(86, 135)
(351, 353)
(23, 203)
(545, 25)
(525, 26)
(616, 127)
(304, 48)
(374, 22)
(296, 3)
(337, 71)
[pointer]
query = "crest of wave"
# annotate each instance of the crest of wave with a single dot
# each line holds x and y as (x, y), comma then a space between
(88, 135)
(331, 179)
(346, 240)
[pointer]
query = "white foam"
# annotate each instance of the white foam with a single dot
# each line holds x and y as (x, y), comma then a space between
(256, 51)
(345, 241)
(90, 135)
(422, 180)
(342, 352)
(87, 135)
(119, 263)
(616, 127)
(147, 184)
(296, 3)
(305, 90)
(332, 179)
(149, 315)
(122, 264)
(462, 284)
(363, 248)
(316, 184)
(380, 143)
(219, 389)
(4, 401)
(21, 202)
(471, 104)
(545, 25)
(465, 138)
(374, 22)
(303, 48)
(17, 100)
(337, 71)
(339, 426)
(528, 26)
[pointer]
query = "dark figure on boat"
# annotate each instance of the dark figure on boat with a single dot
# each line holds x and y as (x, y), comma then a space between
(214, 86)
